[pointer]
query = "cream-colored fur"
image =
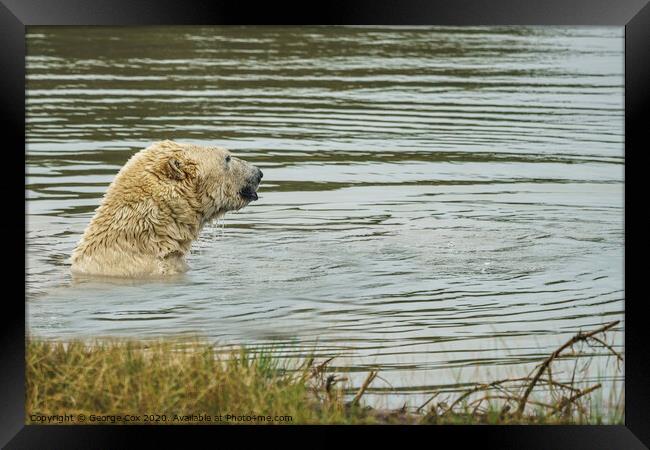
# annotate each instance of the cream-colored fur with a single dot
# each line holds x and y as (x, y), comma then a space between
(156, 206)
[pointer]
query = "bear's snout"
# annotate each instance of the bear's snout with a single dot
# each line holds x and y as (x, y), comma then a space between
(255, 178)
(248, 192)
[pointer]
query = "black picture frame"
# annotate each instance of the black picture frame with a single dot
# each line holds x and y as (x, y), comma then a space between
(15, 15)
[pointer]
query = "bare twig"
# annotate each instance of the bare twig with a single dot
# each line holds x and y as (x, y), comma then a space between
(482, 387)
(513, 398)
(565, 403)
(498, 385)
(577, 338)
(371, 376)
(605, 344)
(478, 404)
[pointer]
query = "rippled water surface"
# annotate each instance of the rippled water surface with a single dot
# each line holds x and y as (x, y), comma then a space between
(437, 202)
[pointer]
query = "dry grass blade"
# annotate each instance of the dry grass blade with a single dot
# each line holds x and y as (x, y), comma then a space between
(427, 402)
(322, 365)
(315, 371)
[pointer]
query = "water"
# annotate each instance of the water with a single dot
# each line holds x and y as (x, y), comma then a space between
(443, 203)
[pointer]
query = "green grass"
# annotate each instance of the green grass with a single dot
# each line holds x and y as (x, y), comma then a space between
(165, 381)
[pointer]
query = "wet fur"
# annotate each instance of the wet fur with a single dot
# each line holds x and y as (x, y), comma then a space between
(156, 207)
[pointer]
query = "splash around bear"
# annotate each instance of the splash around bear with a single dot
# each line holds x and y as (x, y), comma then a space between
(157, 205)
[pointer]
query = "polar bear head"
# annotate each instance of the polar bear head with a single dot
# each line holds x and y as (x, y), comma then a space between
(157, 205)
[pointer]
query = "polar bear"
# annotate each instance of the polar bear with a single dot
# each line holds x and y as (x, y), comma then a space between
(156, 206)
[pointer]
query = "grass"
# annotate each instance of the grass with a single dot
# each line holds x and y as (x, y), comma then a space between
(168, 379)
(171, 382)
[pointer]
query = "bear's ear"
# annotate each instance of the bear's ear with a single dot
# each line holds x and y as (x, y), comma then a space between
(175, 169)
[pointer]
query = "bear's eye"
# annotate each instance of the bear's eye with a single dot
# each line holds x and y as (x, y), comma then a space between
(228, 158)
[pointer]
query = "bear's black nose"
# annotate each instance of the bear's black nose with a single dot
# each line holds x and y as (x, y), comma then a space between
(259, 175)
